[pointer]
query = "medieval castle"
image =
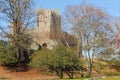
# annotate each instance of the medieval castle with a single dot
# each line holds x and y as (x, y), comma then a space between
(48, 30)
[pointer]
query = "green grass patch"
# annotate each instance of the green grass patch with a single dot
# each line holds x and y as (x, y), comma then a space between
(106, 78)
(111, 78)
(75, 79)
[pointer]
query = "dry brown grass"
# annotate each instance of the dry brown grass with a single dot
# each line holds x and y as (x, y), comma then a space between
(6, 74)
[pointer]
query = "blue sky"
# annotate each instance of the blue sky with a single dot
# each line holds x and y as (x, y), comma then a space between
(110, 6)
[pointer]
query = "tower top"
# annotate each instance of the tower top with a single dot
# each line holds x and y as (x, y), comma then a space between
(47, 11)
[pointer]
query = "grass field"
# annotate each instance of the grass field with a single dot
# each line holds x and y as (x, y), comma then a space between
(107, 78)
(112, 78)
(75, 79)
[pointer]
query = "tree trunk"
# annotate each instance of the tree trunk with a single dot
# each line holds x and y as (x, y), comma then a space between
(89, 64)
(61, 74)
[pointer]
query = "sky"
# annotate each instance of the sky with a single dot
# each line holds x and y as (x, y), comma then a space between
(110, 6)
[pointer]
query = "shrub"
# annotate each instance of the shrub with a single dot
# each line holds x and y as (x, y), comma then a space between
(7, 55)
(39, 59)
(59, 59)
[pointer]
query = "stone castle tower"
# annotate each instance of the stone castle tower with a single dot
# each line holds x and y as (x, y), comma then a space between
(48, 21)
(48, 30)
(48, 26)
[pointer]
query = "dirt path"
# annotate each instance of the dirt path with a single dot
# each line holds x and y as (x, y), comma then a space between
(29, 75)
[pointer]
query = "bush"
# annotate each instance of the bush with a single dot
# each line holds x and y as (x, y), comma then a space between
(7, 55)
(59, 59)
(39, 59)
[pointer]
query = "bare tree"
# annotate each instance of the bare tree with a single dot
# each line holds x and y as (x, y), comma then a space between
(20, 15)
(91, 26)
(116, 40)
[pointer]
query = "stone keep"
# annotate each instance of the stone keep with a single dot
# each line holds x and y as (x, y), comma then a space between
(48, 28)
(48, 21)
